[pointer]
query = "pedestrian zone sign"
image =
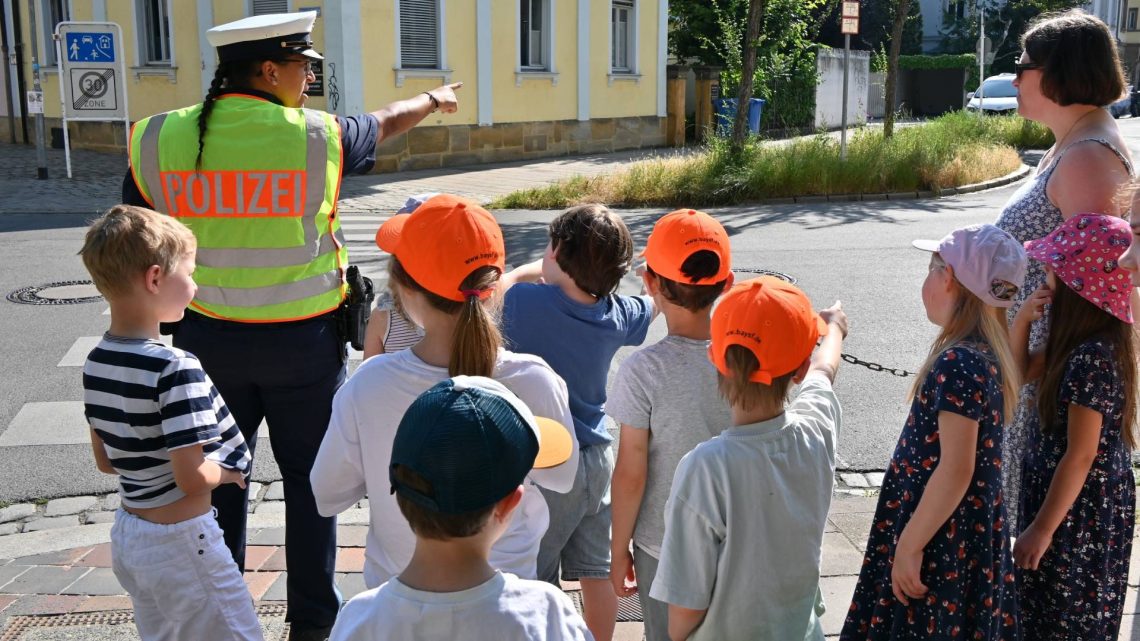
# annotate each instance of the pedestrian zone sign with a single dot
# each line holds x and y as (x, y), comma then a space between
(92, 76)
(92, 46)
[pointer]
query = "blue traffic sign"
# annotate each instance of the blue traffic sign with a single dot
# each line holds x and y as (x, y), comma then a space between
(96, 46)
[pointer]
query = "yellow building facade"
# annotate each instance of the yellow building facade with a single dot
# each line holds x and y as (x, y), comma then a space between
(540, 77)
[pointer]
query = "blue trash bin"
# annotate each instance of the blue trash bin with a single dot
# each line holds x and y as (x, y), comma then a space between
(725, 110)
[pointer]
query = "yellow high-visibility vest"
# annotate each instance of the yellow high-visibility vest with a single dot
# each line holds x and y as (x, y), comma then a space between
(262, 205)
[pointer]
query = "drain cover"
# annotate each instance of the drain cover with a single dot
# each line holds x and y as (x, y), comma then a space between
(68, 292)
(753, 272)
(114, 624)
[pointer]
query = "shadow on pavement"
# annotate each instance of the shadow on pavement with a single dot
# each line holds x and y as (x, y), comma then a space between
(10, 223)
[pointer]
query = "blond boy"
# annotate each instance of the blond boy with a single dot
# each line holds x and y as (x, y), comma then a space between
(158, 423)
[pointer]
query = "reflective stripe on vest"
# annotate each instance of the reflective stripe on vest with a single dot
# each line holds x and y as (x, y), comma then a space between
(300, 274)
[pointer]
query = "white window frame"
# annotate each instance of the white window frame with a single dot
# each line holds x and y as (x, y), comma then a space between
(632, 70)
(1132, 18)
(47, 59)
(249, 7)
(442, 71)
(143, 66)
(546, 32)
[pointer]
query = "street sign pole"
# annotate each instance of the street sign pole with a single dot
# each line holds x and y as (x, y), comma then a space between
(849, 24)
(41, 150)
(846, 66)
(62, 107)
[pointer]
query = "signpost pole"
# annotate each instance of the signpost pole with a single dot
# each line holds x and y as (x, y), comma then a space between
(41, 150)
(846, 66)
(849, 24)
(62, 107)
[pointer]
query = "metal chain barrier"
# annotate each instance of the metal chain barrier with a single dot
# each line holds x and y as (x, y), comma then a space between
(875, 367)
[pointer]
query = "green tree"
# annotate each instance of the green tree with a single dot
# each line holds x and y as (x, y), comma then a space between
(898, 23)
(785, 76)
(1006, 20)
(747, 72)
(875, 18)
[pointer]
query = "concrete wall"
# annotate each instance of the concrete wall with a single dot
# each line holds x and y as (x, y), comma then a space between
(829, 91)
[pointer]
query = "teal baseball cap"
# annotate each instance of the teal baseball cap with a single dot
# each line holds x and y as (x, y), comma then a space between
(473, 441)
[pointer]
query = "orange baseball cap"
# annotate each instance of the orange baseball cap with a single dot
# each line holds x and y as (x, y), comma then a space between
(680, 234)
(771, 318)
(442, 242)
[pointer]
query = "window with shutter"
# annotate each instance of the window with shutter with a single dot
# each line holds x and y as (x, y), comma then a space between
(419, 34)
(621, 36)
(260, 7)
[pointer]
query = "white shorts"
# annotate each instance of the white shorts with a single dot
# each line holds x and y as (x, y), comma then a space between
(183, 582)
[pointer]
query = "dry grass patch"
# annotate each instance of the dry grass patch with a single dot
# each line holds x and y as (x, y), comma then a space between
(951, 151)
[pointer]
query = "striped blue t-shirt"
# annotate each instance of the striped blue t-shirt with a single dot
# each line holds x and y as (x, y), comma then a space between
(144, 399)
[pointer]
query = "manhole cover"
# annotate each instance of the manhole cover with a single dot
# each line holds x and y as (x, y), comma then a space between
(69, 292)
(749, 273)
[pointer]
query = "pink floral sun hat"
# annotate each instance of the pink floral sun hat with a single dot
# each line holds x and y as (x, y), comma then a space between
(1084, 253)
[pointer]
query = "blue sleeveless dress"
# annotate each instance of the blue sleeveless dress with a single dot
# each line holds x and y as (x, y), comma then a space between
(1029, 215)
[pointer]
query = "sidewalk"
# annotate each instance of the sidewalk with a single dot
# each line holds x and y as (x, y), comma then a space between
(98, 178)
(61, 586)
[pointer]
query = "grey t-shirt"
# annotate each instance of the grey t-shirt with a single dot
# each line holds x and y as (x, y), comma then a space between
(670, 389)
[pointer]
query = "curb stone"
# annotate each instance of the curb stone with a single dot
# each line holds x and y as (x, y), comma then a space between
(816, 199)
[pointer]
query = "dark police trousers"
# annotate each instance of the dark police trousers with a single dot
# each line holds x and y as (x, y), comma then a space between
(286, 373)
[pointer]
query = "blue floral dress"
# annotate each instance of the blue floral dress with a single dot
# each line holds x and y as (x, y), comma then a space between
(1078, 590)
(1029, 215)
(966, 565)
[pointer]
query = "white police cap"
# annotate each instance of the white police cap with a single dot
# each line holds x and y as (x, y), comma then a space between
(266, 36)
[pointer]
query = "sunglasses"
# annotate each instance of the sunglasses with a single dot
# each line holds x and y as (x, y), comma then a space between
(1021, 67)
(308, 64)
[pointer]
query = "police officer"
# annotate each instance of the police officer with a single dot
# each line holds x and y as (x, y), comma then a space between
(256, 176)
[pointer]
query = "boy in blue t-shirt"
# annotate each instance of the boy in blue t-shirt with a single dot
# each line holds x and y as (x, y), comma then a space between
(576, 323)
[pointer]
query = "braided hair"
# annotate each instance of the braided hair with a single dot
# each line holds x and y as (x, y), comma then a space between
(227, 75)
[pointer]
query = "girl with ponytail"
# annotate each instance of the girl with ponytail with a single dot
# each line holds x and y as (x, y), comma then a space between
(446, 272)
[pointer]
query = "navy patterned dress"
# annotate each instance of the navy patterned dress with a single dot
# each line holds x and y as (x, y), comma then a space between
(1078, 590)
(966, 565)
(1029, 215)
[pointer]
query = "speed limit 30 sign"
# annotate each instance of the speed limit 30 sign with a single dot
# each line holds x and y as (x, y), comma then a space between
(94, 90)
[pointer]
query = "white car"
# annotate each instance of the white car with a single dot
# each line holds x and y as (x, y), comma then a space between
(999, 93)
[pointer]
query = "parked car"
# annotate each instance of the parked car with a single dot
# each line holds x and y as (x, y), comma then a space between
(1122, 107)
(1000, 96)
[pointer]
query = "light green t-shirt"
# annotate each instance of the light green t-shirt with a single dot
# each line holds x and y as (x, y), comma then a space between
(744, 524)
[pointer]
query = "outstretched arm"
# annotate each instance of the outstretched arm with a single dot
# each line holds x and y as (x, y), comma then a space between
(825, 360)
(402, 115)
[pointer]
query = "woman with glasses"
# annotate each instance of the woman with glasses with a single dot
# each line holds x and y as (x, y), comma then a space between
(1068, 72)
(256, 177)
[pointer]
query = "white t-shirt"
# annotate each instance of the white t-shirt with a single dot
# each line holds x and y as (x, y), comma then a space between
(357, 450)
(505, 608)
(744, 524)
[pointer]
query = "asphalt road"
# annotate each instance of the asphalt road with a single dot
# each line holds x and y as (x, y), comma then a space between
(859, 253)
